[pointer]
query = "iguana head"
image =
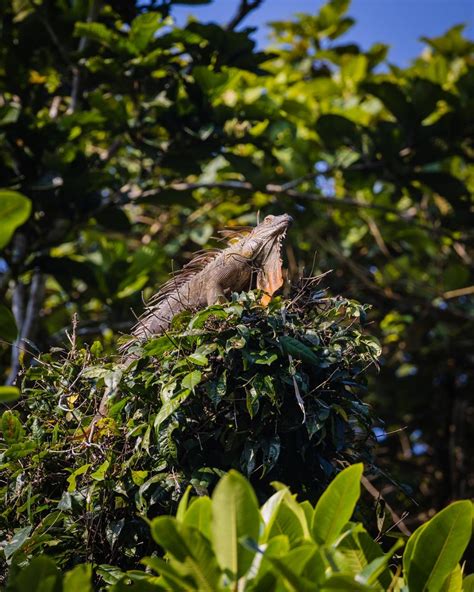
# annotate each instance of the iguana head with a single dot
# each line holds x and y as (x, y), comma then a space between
(263, 247)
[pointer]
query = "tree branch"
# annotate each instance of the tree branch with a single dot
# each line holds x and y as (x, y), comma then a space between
(28, 327)
(273, 189)
(244, 8)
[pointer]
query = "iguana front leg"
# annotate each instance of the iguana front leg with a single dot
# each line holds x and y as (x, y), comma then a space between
(215, 294)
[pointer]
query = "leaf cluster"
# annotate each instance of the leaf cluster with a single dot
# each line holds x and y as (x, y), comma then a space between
(229, 543)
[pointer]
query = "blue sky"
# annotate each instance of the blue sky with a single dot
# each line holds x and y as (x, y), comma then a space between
(399, 23)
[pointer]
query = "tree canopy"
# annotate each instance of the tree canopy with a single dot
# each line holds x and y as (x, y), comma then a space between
(126, 142)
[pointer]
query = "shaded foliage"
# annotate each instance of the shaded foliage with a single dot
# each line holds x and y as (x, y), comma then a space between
(271, 392)
(227, 542)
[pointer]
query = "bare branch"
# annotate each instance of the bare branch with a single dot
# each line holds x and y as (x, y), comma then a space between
(29, 325)
(271, 188)
(244, 8)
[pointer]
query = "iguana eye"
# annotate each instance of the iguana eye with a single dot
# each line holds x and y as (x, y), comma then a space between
(268, 219)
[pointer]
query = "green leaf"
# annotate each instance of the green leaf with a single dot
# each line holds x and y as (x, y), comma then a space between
(16, 542)
(297, 349)
(183, 504)
(336, 130)
(357, 550)
(199, 516)
(198, 359)
(11, 427)
(143, 29)
(99, 475)
(235, 515)
(394, 100)
(41, 575)
(78, 579)
(172, 577)
(170, 407)
(191, 380)
(157, 347)
(8, 328)
(15, 209)
(9, 394)
(292, 581)
(468, 583)
(453, 582)
(336, 506)
(73, 476)
(190, 548)
(439, 547)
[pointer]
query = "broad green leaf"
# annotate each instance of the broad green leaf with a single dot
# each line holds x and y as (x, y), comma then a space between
(190, 548)
(15, 209)
(170, 407)
(79, 579)
(73, 476)
(276, 547)
(41, 575)
(99, 474)
(172, 577)
(440, 546)
(468, 583)
(183, 504)
(358, 550)
(157, 347)
(287, 522)
(235, 515)
(198, 359)
(8, 328)
(269, 512)
(11, 427)
(199, 516)
(410, 546)
(371, 573)
(292, 581)
(308, 512)
(453, 582)
(336, 505)
(164, 531)
(9, 394)
(143, 29)
(17, 540)
(191, 380)
(297, 349)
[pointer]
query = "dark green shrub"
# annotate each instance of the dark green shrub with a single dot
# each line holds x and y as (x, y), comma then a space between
(229, 543)
(272, 392)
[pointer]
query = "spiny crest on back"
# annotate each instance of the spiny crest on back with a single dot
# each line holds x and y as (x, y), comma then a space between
(198, 263)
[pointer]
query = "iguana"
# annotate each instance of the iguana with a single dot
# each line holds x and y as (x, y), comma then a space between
(210, 277)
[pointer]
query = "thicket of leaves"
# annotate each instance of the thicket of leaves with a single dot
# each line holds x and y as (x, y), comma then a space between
(229, 543)
(274, 393)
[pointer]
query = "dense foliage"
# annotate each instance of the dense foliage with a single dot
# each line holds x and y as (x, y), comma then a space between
(228, 543)
(273, 392)
(126, 142)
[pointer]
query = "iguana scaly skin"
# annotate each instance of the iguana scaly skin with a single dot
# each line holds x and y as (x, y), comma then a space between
(213, 275)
